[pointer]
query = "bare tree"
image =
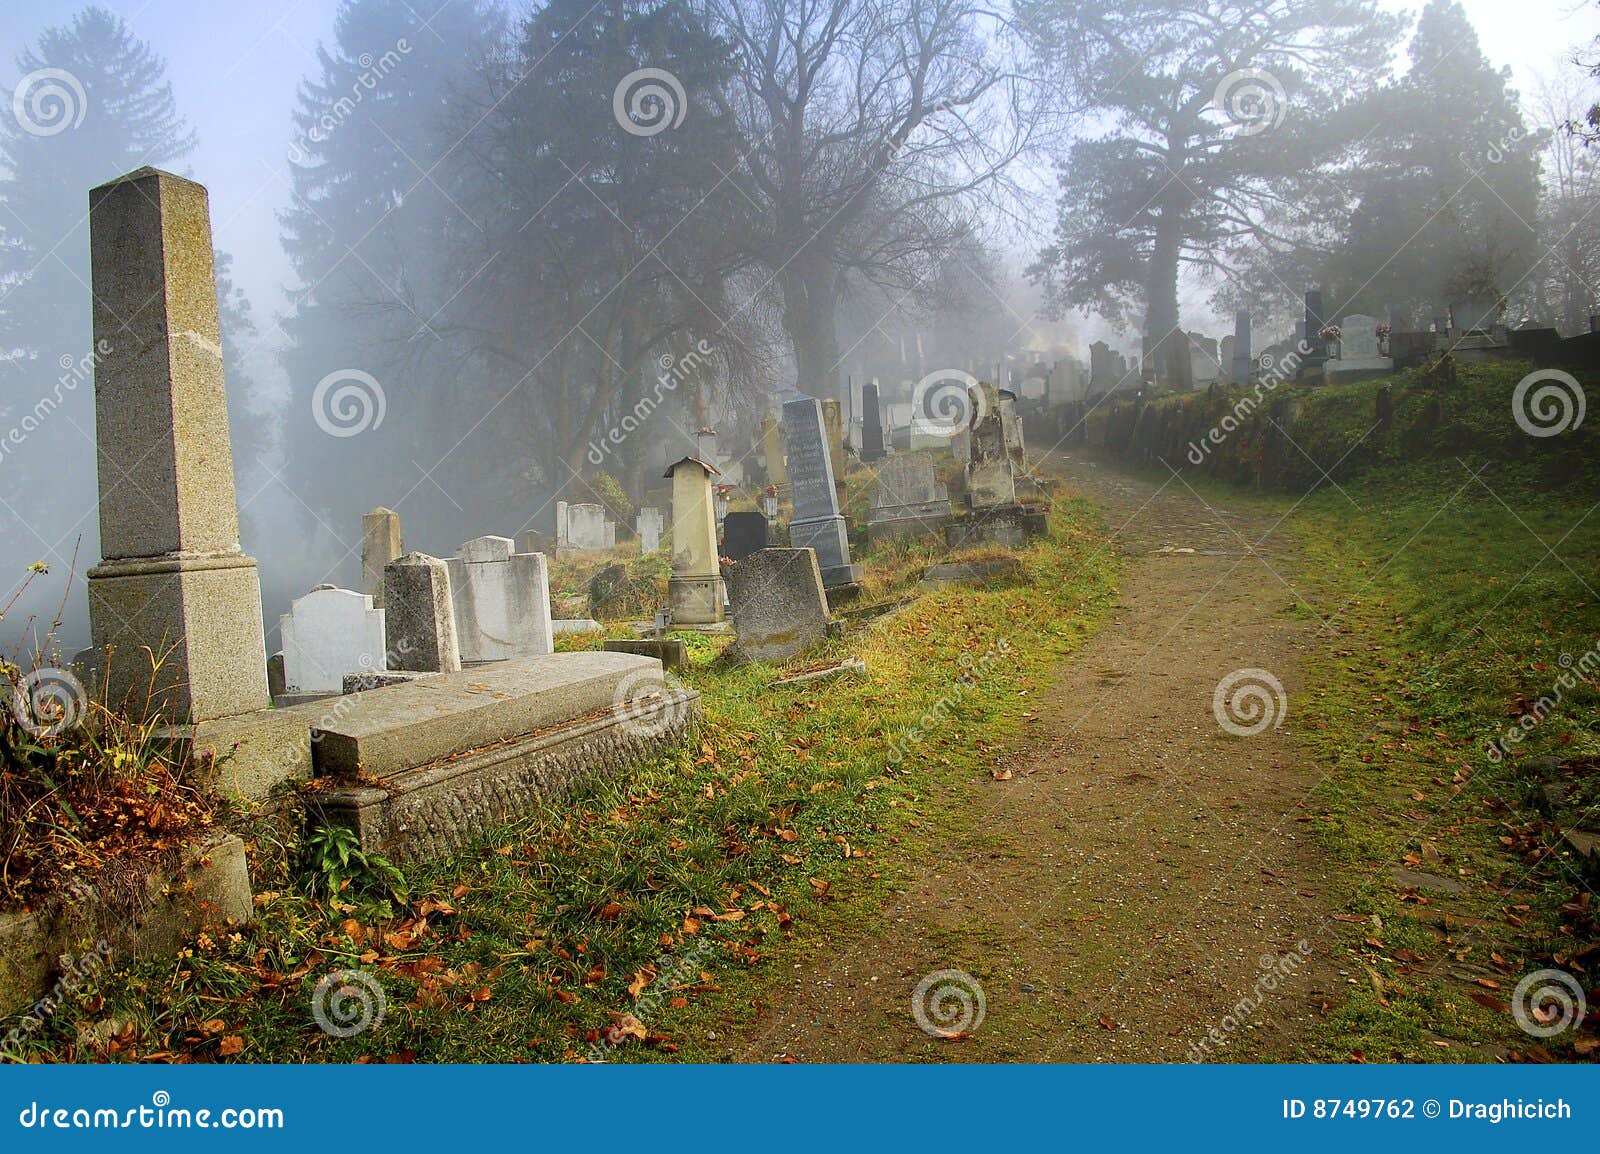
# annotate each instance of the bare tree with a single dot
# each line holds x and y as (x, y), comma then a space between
(1565, 288)
(873, 129)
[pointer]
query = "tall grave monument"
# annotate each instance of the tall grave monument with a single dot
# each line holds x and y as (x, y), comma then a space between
(172, 579)
(817, 523)
(695, 589)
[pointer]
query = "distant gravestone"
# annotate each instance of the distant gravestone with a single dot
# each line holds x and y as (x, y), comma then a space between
(779, 605)
(1314, 326)
(648, 526)
(563, 541)
(1011, 426)
(419, 616)
(772, 447)
(501, 601)
(695, 589)
(991, 480)
(833, 422)
(816, 523)
(380, 544)
(1359, 350)
(743, 534)
(872, 447)
(908, 499)
(586, 526)
(1243, 361)
(326, 634)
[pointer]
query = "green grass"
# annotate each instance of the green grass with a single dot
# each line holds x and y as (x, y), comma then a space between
(686, 881)
(1441, 614)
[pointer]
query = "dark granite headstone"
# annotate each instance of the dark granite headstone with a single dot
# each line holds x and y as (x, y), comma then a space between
(871, 423)
(817, 523)
(743, 534)
(1241, 348)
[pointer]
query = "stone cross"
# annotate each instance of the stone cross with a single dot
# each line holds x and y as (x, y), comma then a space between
(817, 523)
(695, 589)
(419, 615)
(380, 544)
(501, 601)
(173, 581)
(328, 633)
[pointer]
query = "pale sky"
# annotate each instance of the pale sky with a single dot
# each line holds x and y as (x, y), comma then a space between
(234, 65)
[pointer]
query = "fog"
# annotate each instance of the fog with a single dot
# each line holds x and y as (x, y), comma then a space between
(461, 244)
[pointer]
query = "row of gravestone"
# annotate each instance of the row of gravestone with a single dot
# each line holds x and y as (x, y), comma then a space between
(487, 603)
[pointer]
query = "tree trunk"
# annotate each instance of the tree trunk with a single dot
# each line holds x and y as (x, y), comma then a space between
(808, 317)
(1169, 347)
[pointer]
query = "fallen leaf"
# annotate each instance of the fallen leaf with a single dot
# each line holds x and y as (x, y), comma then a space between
(231, 1045)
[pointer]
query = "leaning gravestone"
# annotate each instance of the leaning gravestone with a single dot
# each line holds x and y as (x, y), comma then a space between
(695, 588)
(990, 477)
(1011, 426)
(419, 617)
(816, 523)
(779, 606)
(908, 500)
(172, 580)
(501, 601)
(743, 534)
(380, 544)
(326, 634)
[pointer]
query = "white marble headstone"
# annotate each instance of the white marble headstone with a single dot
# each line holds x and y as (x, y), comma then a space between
(501, 600)
(326, 634)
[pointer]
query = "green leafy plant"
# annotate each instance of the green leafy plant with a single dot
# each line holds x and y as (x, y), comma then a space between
(335, 863)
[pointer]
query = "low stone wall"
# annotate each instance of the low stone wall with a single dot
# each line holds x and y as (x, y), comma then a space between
(207, 889)
(436, 809)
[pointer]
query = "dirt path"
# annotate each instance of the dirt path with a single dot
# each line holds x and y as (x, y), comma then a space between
(1143, 871)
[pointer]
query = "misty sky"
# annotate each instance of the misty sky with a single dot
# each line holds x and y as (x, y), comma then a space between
(234, 68)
